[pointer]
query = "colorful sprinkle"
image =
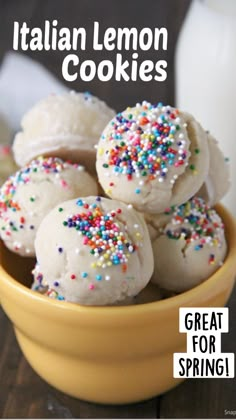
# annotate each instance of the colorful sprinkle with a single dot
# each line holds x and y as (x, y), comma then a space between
(23, 176)
(146, 143)
(4, 151)
(84, 275)
(64, 184)
(54, 295)
(103, 234)
(196, 222)
(9, 203)
(211, 259)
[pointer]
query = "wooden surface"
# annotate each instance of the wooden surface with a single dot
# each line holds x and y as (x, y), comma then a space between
(22, 393)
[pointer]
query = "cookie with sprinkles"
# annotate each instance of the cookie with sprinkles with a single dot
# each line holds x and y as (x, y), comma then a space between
(94, 251)
(40, 285)
(66, 125)
(191, 248)
(152, 156)
(215, 186)
(28, 195)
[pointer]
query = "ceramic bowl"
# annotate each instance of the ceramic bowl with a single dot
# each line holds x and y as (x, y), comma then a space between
(106, 354)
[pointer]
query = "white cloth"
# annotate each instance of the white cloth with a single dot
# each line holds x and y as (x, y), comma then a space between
(23, 82)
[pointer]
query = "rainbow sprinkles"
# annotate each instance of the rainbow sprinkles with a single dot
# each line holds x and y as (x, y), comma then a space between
(102, 233)
(146, 142)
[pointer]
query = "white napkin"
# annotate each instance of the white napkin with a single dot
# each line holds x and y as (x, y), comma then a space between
(23, 82)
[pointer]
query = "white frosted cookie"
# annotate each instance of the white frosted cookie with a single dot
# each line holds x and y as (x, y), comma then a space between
(67, 126)
(217, 182)
(152, 156)
(215, 186)
(190, 249)
(28, 195)
(97, 251)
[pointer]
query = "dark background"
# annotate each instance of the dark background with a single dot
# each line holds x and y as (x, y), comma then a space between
(109, 13)
(22, 393)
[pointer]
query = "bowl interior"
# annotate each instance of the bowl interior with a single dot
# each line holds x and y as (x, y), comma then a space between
(16, 266)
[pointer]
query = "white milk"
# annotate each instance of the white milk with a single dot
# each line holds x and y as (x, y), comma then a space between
(206, 74)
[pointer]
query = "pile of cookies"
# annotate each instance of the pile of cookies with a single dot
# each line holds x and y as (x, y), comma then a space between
(7, 163)
(116, 208)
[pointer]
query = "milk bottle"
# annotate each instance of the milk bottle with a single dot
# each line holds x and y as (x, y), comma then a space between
(205, 70)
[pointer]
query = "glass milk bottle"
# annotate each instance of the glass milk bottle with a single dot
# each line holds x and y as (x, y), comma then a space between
(205, 66)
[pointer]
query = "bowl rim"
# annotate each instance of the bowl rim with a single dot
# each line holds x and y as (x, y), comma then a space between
(160, 305)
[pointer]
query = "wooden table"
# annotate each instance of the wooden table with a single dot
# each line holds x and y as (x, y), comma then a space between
(22, 393)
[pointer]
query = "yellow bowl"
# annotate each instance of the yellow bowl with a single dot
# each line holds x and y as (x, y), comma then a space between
(106, 354)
